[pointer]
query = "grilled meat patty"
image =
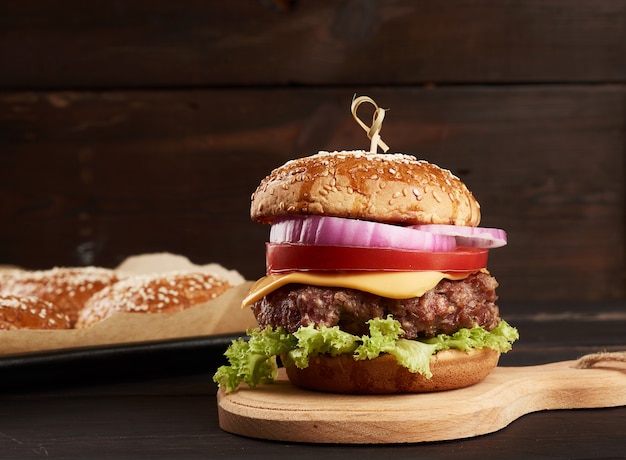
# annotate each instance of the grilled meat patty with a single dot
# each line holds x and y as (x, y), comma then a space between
(448, 307)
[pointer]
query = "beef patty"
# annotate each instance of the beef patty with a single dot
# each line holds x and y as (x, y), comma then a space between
(448, 307)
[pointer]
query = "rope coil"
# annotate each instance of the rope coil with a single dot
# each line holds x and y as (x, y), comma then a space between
(588, 361)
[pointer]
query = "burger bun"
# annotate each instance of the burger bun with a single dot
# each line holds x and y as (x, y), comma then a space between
(451, 369)
(393, 188)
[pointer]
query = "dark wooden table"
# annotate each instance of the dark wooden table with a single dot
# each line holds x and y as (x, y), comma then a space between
(157, 401)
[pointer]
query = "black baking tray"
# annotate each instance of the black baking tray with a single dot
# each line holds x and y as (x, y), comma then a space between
(114, 362)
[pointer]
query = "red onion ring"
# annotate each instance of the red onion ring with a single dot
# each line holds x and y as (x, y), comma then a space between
(476, 237)
(338, 231)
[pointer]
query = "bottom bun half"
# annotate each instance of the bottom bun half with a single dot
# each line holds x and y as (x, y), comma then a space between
(383, 375)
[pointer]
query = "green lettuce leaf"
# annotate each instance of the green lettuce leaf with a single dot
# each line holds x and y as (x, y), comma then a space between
(383, 336)
(254, 361)
(499, 339)
(414, 355)
(312, 341)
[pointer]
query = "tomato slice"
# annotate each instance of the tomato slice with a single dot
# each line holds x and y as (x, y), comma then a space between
(289, 257)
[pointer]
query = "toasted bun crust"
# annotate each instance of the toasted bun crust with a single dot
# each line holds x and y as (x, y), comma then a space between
(67, 288)
(30, 313)
(393, 188)
(159, 293)
(383, 375)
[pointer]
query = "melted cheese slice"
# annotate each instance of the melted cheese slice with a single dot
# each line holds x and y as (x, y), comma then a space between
(395, 285)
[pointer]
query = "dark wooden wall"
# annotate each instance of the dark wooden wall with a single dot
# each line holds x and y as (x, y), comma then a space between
(144, 126)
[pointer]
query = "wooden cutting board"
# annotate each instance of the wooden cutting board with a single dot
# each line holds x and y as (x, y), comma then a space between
(281, 411)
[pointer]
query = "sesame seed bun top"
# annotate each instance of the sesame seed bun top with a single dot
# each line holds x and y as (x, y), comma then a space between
(393, 188)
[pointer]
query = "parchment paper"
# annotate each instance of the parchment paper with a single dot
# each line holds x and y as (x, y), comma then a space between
(222, 315)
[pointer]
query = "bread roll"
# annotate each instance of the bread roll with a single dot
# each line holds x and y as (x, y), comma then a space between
(30, 313)
(67, 288)
(157, 293)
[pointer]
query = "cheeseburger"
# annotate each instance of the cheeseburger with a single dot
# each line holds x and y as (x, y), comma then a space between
(376, 279)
